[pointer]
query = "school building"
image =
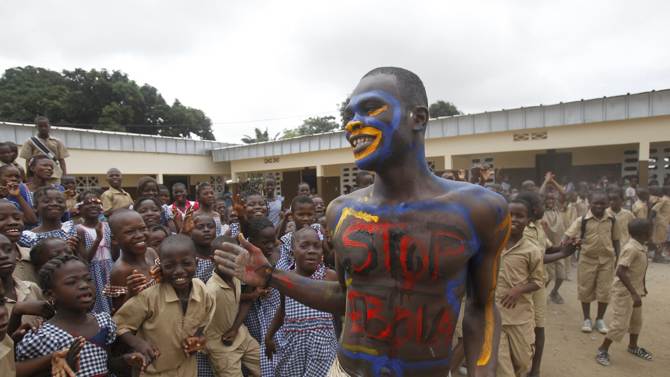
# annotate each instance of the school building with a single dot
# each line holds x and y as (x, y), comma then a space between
(620, 136)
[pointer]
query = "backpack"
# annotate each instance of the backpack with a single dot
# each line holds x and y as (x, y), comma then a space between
(583, 227)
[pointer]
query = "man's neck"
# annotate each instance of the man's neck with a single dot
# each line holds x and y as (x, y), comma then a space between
(403, 180)
(118, 188)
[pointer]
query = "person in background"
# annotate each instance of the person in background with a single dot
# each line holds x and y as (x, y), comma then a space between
(147, 186)
(16, 192)
(582, 202)
(528, 185)
(641, 206)
(8, 154)
(621, 215)
(364, 179)
(48, 146)
(115, 197)
(304, 189)
(627, 292)
(181, 204)
(164, 195)
(319, 206)
(70, 186)
(631, 192)
(660, 220)
(274, 201)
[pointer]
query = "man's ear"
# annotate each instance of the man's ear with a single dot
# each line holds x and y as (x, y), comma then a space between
(419, 118)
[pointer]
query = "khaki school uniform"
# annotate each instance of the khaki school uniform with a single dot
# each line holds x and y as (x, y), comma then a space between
(520, 264)
(226, 361)
(113, 199)
(24, 269)
(536, 235)
(661, 221)
(555, 221)
(595, 268)
(623, 217)
(626, 318)
(640, 209)
(7, 365)
(28, 151)
(156, 316)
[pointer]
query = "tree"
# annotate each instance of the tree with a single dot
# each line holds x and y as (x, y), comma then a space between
(97, 99)
(443, 109)
(313, 125)
(261, 136)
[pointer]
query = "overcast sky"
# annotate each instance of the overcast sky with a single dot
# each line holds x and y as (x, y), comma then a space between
(271, 64)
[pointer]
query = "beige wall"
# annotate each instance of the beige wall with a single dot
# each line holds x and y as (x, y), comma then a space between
(614, 137)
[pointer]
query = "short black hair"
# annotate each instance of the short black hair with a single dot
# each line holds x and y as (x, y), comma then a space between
(256, 225)
(176, 240)
(410, 86)
(178, 184)
(163, 188)
(46, 274)
(42, 191)
(639, 227)
(141, 199)
(143, 182)
(41, 118)
(595, 193)
(4, 144)
(119, 215)
(523, 203)
(301, 199)
(533, 199)
(201, 186)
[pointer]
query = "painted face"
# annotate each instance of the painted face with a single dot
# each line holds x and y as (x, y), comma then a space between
(374, 117)
(150, 212)
(7, 257)
(178, 266)
(519, 218)
(11, 222)
(73, 286)
(204, 230)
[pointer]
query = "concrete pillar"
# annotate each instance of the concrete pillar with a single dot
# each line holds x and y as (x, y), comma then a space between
(448, 162)
(320, 180)
(159, 178)
(643, 163)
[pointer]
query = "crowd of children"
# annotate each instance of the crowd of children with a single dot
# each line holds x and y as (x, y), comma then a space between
(96, 283)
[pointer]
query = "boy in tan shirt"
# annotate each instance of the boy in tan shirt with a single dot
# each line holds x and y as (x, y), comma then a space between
(627, 293)
(621, 215)
(166, 322)
(229, 344)
(520, 274)
(599, 237)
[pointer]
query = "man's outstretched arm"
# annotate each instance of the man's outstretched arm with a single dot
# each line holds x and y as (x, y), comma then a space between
(248, 263)
(481, 322)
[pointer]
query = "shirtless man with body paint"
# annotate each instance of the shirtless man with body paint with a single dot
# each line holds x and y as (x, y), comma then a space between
(407, 248)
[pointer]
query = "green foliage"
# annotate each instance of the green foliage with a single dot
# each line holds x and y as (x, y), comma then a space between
(261, 136)
(96, 99)
(442, 109)
(313, 125)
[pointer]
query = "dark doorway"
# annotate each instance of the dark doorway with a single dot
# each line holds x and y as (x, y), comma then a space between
(558, 163)
(289, 186)
(330, 188)
(169, 180)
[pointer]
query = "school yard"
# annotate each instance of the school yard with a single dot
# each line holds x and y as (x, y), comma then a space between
(569, 352)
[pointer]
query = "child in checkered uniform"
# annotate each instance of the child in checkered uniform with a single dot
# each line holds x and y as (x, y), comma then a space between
(67, 283)
(310, 343)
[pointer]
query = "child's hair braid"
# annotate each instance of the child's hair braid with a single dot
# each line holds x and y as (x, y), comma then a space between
(46, 274)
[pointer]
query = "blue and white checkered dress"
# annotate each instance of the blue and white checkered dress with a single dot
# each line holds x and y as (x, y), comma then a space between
(203, 271)
(309, 343)
(29, 238)
(101, 265)
(50, 338)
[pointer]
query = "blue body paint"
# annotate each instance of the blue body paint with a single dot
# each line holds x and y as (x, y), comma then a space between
(396, 365)
(383, 151)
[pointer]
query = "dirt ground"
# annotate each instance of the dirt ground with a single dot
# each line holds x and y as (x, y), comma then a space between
(569, 352)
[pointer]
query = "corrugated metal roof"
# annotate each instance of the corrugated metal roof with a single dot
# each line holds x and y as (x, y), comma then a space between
(628, 106)
(76, 138)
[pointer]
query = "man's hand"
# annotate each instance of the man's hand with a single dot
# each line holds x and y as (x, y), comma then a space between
(637, 301)
(246, 262)
(511, 298)
(229, 337)
(135, 360)
(148, 350)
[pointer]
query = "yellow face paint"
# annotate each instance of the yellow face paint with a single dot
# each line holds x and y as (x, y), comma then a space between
(378, 111)
(368, 131)
(362, 349)
(489, 320)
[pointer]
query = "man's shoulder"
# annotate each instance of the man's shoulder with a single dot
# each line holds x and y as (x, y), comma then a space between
(479, 200)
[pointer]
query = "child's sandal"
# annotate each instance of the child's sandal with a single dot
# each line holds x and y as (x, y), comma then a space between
(641, 353)
(603, 358)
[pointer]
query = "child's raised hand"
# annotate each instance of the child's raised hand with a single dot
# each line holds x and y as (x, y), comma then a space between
(240, 208)
(187, 222)
(246, 262)
(135, 282)
(73, 244)
(193, 344)
(135, 360)
(18, 335)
